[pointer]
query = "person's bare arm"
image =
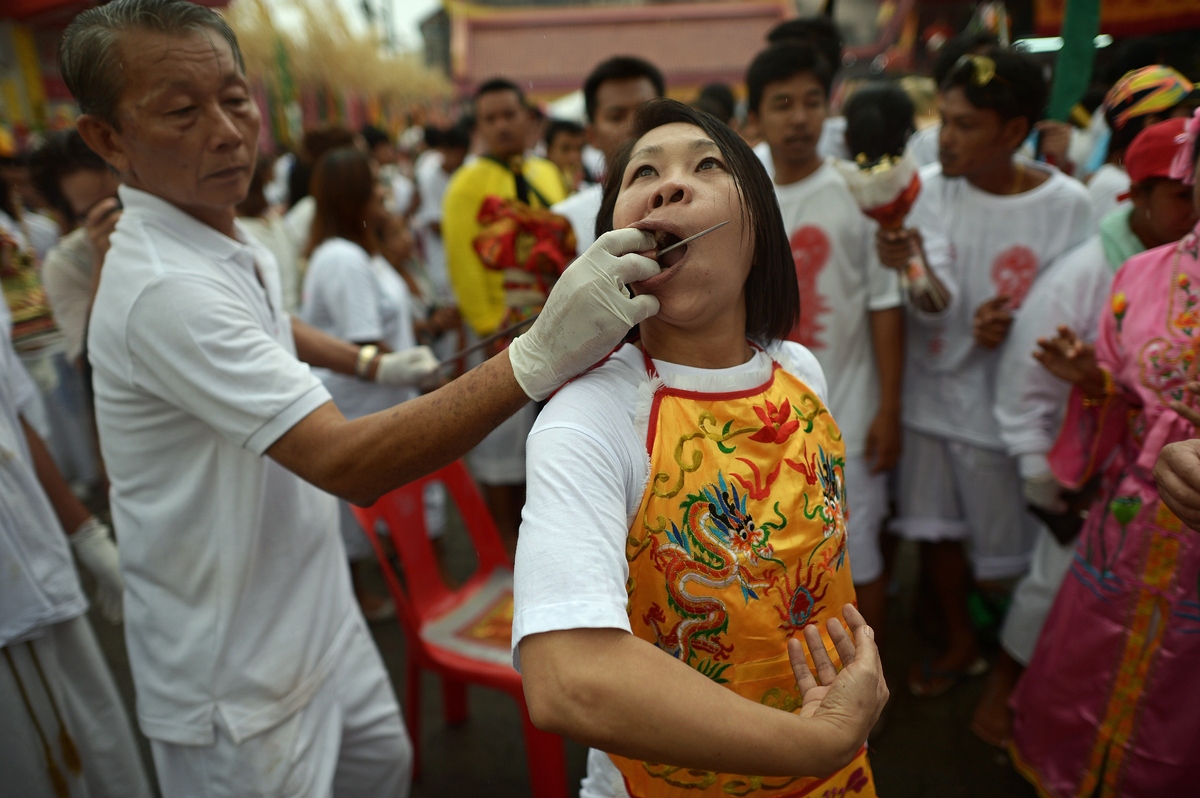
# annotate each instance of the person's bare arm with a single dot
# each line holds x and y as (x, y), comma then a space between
(883, 438)
(70, 511)
(616, 692)
(321, 350)
(360, 460)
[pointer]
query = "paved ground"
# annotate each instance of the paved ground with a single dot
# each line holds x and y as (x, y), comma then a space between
(925, 750)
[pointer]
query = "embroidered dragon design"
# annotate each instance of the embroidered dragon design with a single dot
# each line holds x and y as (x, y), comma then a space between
(720, 545)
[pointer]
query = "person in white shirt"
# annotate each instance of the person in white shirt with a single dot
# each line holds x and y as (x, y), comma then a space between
(987, 222)
(1030, 400)
(254, 670)
(852, 315)
(353, 294)
(433, 171)
(612, 93)
(264, 221)
(78, 182)
(65, 730)
(1139, 99)
(717, 695)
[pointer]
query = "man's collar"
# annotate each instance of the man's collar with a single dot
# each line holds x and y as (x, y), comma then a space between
(183, 226)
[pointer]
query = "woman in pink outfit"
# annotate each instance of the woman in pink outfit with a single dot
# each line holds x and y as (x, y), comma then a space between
(1110, 703)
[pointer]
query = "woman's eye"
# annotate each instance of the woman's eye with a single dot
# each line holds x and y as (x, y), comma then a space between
(187, 109)
(644, 171)
(710, 163)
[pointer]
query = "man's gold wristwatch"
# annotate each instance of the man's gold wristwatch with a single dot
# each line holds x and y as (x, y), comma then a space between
(366, 355)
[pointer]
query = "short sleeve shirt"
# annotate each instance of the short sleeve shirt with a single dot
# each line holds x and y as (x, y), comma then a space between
(235, 577)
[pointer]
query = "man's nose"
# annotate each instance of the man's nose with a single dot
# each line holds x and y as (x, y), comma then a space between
(225, 132)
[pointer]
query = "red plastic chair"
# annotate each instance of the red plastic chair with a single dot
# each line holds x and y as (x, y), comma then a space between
(464, 634)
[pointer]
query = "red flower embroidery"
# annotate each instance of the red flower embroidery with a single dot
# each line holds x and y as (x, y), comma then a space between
(1013, 272)
(757, 490)
(777, 426)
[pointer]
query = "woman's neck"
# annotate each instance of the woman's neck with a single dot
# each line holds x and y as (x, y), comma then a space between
(717, 346)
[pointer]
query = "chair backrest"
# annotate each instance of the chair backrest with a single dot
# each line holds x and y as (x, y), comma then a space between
(403, 511)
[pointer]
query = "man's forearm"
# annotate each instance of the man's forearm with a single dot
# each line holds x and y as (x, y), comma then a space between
(70, 511)
(321, 350)
(360, 460)
(887, 336)
(613, 691)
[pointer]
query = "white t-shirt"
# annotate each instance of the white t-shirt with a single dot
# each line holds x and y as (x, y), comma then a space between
(357, 298)
(581, 210)
(236, 589)
(39, 586)
(1030, 401)
(923, 144)
(432, 181)
(981, 246)
(841, 282)
(588, 450)
(1106, 185)
(831, 144)
(67, 278)
(271, 231)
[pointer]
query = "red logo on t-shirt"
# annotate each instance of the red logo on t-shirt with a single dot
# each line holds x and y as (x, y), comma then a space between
(810, 251)
(1013, 272)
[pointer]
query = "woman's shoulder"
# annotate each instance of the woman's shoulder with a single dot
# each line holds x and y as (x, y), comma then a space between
(797, 360)
(341, 251)
(606, 393)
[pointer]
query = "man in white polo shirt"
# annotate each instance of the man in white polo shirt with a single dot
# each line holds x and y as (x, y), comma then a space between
(254, 670)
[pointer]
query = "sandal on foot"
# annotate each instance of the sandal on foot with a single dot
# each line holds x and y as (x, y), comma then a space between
(939, 681)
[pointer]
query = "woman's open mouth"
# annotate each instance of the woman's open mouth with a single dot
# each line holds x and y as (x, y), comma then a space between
(664, 239)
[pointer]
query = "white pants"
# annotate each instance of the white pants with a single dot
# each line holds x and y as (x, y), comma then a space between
(81, 687)
(866, 499)
(1034, 595)
(347, 742)
(950, 490)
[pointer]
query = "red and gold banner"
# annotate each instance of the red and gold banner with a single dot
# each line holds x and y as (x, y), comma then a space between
(1125, 17)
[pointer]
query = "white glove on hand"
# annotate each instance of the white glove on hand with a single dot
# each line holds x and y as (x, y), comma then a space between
(94, 546)
(587, 314)
(1044, 491)
(408, 367)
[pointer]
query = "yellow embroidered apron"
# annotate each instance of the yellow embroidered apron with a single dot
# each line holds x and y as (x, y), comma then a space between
(739, 543)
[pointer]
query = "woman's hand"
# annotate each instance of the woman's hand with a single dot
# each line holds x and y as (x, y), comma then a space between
(852, 699)
(1066, 356)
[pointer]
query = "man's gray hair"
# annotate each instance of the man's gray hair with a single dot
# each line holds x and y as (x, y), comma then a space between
(89, 58)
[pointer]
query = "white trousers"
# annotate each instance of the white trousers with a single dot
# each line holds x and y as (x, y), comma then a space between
(348, 742)
(1034, 595)
(866, 499)
(950, 490)
(79, 685)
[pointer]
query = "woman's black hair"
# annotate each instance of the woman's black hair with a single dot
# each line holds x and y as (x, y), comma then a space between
(772, 293)
(1017, 90)
(879, 120)
(59, 155)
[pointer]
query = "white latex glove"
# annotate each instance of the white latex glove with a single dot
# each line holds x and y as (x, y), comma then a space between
(1044, 491)
(94, 546)
(407, 367)
(587, 314)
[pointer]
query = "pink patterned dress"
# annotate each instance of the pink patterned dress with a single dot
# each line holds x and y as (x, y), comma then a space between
(1110, 704)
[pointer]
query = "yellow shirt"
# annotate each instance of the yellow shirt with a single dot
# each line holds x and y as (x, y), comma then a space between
(480, 291)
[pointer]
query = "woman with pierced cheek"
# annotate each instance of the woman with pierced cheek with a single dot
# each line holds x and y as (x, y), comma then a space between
(686, 511)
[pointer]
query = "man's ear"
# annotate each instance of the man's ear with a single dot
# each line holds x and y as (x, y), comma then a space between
(1014, 132)
(99, 134)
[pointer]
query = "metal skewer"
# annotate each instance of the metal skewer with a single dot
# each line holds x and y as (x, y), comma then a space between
(483, 342)
(690, 239)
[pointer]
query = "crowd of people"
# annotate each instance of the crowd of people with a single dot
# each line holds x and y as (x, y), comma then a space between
(701, 457)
